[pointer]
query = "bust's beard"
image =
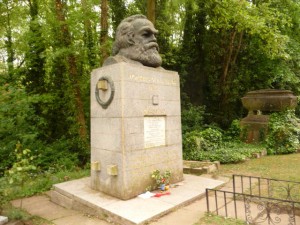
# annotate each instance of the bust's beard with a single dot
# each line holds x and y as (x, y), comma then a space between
(146, 54)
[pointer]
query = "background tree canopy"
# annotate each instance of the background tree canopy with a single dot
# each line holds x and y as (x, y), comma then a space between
(221, 49)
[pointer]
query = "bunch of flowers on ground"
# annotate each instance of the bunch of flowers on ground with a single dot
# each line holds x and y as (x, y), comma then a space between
(161, 179)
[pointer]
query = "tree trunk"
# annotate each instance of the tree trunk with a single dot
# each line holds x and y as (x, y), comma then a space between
(118, 11)
(72, 69)
(35, 63)
(238, 47)
(88, 34)
(228, 57)
(224, 81)
(151, 10)
(104, 31)
(9, 45)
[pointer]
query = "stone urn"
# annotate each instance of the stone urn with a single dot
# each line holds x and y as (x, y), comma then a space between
(269, 100)
(260, 104)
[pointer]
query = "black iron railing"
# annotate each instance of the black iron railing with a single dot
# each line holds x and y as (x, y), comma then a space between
(253, 209)
(266, 187)
(257, 201)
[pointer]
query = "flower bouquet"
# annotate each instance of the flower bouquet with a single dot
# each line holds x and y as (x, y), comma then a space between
(162, 180)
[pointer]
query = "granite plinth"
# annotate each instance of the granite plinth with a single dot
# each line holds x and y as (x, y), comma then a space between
(78, 195)
(122, 135)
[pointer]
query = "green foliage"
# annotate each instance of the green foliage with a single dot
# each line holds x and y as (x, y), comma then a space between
(17, 122)
(18, 214)
(192, 118)
(230, 152)
(213, 219)
(58, 156)
(222, 49)
(197, 141)
(119, 12)
(3, 195)
(212, 137)
(260, 20)
(209, 145)
(244, 46)
(282, 167)
(39, 182)
(161, 178)
(283, 134)
(233, 133)
(22, 169)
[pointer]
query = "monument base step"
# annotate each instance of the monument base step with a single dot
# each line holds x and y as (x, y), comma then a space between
(78, 195)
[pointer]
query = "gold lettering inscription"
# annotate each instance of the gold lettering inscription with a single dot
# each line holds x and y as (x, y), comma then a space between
(154, 80)
(151, 111)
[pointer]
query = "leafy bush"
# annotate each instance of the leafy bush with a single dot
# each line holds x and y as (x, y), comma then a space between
(192, 118)
(226, 155)
(17, 123)
(233, 152)
(283, 133)
(212, 139)
(208, 145)
(38, 183)
(22, 169)
(3, 197)
(234, 131)
(197, 142)
(206, 140)
(57, 156)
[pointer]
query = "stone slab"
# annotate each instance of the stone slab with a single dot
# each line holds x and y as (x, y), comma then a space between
(3, 220)
(40, 206)
(136, 210)
(79, 220)
(14, 222)
(196, 168)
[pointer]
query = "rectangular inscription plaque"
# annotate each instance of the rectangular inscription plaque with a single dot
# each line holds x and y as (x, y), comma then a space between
(154, 131)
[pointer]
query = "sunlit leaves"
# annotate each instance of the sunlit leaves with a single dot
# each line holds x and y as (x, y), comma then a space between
(263, 21)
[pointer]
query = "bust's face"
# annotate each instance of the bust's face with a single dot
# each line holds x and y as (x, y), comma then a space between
(144, 48)
(144, 32)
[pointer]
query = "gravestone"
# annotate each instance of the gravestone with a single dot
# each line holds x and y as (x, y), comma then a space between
(135, 130)
(135, 114)
(138, 132)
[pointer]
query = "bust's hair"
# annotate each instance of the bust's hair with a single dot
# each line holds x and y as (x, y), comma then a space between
(124, 33)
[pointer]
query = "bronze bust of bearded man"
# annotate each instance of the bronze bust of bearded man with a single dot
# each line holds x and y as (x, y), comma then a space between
(135, 43)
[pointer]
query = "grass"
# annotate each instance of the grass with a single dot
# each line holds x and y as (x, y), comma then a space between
(281, 167)
(211, 219)
(18, 214)
(38, 184)
(284, 167)
(41, 183)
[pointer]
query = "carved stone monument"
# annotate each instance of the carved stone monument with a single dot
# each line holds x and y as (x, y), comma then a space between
(135, 114)
(260, 104)
(135, 130)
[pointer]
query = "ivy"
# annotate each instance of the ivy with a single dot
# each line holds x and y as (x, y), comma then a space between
(284, 133)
